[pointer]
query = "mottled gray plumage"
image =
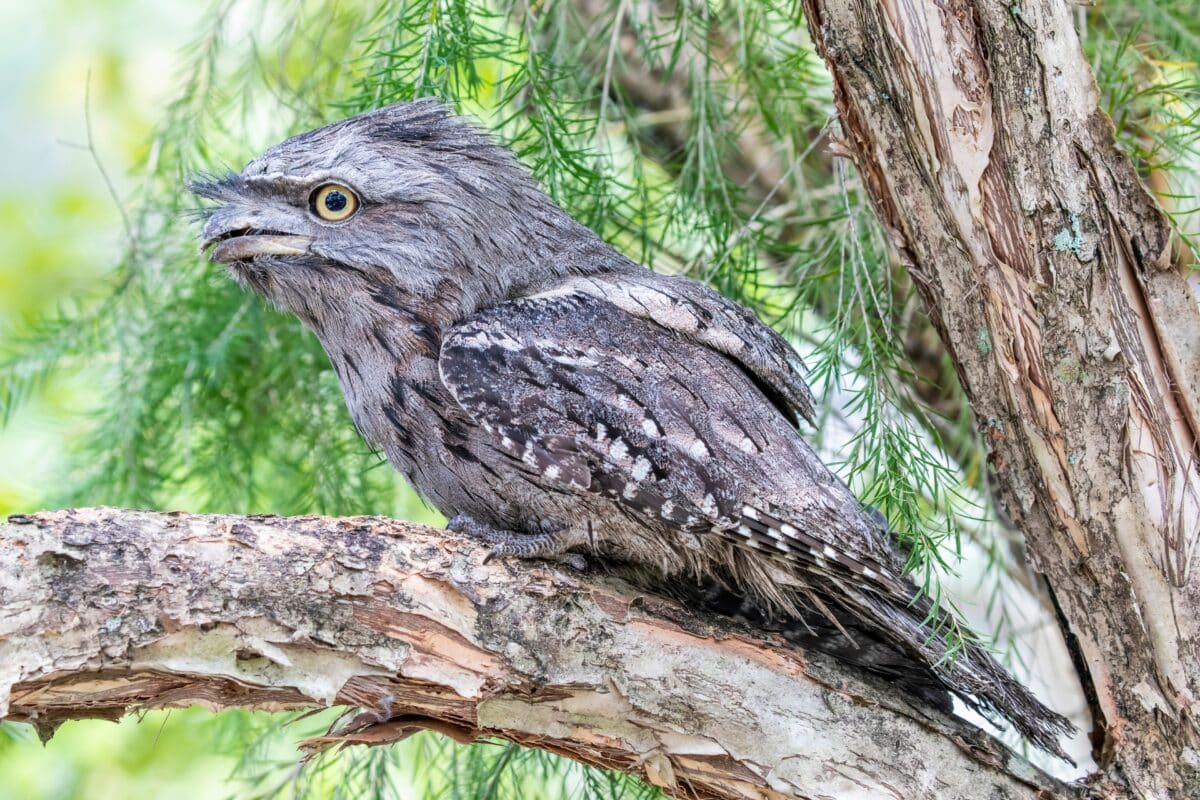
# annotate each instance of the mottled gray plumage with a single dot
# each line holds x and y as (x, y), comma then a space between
(547, 394)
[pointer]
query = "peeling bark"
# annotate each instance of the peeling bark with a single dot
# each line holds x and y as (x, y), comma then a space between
(103, 610)
(1046, 267)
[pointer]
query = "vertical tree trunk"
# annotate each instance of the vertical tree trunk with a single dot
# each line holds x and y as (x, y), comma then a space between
(1046, 268)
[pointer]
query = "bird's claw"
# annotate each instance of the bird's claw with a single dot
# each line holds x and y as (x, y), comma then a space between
(468, 525)
(550, 543)
(574, 561)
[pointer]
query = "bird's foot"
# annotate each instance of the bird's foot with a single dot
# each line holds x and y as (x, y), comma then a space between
(551, 543)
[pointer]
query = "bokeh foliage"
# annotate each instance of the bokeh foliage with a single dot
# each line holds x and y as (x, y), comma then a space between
(693, 135)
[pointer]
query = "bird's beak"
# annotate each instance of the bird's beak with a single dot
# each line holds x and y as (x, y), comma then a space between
(239, 238)
(246, 246)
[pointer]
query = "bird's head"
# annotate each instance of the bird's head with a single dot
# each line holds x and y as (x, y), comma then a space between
(407, 202)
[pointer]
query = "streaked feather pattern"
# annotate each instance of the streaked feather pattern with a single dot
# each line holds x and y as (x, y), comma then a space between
(638, 412)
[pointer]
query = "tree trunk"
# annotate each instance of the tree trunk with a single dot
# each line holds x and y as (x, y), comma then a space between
(1045, 265)
(103, 610)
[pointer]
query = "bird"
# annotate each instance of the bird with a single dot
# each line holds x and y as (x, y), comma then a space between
(552, 397)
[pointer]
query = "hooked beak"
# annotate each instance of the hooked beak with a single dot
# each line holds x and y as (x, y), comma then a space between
(237, 238)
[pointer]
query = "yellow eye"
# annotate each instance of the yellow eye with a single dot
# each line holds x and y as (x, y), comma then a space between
(334, 202)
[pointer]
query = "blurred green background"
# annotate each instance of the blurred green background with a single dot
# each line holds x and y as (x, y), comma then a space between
(61, 228)
(60, 233)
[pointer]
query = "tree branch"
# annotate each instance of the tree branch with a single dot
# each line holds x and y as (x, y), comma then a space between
(103, 610)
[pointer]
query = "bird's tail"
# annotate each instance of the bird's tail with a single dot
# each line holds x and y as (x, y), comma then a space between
(964, 666)
(922, 650)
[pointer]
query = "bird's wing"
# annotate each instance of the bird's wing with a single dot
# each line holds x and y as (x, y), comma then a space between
(702, 315)
(588, 398)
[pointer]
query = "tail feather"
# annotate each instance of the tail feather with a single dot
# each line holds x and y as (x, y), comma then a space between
(904, 641)
(870, 587)
(846, 640)
(966, 668)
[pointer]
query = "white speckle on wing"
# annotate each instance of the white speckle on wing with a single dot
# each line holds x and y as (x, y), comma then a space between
(558, 291)
(475, 338)
(618, 450)
(553, 471)
(709, 506)
(697, 449)
(505, 342)
(641, 468)
(651, 429)
(749, 512)
(723, 339)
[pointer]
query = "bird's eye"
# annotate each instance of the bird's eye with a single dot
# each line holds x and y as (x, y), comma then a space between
(333, 202)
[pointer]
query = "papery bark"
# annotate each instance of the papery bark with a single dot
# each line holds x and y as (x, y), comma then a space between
(1046, 268)
(103, 610)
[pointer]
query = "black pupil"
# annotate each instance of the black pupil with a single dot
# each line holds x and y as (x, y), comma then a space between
(335, 201)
